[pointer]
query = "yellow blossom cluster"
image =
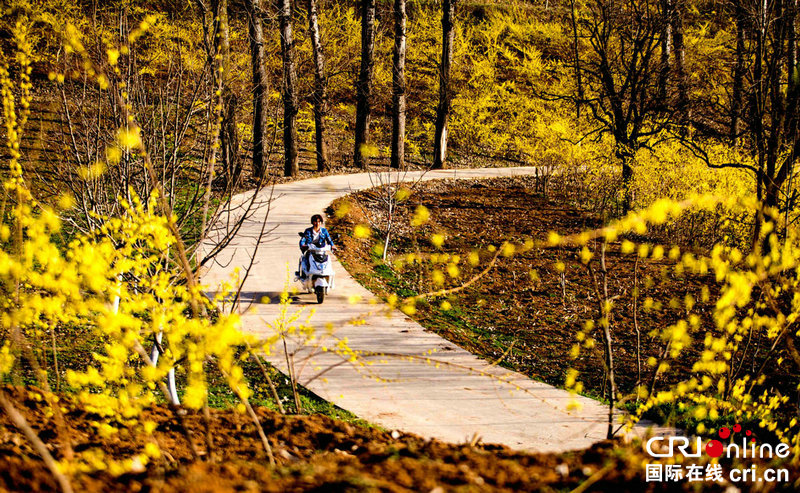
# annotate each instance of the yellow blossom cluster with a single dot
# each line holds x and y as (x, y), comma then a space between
(756, 293)
(119, 284)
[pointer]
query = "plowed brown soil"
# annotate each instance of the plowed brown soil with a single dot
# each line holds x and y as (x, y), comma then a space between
(529, 322)
(314, 453)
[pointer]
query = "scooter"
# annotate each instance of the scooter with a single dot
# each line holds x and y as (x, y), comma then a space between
(316, 270)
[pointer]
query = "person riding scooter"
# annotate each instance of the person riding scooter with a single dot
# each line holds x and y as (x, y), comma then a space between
(315, 234)
(315, 271)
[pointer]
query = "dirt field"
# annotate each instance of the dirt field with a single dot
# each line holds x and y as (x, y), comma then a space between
(523, 313)
(314, 453)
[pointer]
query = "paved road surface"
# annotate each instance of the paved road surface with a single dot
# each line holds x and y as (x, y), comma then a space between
(449, 402)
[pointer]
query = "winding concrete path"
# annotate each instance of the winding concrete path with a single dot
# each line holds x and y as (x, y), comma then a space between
(450, 402)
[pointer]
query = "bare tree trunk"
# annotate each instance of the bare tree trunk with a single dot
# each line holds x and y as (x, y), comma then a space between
(260, 89)
(576, 54)
(291, 166)
(757, 96)
(738, 74)
(229, 135)
(792, 129)
(443, 110)
(756, 106)
(627, 178)
(791, 19)
(680, 57)
(779, 112)
(399, 86)
(364, 83)
(666, 49)
(231, 164)
(774, 67)
(605, 323)
(791, 66)
(320, 88)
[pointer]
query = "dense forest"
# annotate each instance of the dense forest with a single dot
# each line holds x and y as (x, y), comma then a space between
(671, 126)
(700, 89)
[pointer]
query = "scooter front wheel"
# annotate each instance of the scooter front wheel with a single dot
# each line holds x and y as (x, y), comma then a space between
(320, 294)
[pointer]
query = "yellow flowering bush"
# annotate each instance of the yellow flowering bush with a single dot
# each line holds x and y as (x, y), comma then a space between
(750, 295)
(120, 287)
(120, 284)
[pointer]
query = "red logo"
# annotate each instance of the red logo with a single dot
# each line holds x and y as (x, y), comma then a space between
(715, 448)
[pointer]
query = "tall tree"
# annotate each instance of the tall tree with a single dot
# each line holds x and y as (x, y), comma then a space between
(320, 88)
(364, 83)
(773, 118)
(791, 54)
(577, 57)
(737, 92)
(666, 49)
(676, 21)
(672, 69)
(291, 165)
(445, 91)
(229, 135)
(399, 86)
(620, 71)
(260, 88)
(764, 105)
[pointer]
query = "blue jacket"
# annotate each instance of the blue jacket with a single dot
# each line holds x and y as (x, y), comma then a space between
(308, 237)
